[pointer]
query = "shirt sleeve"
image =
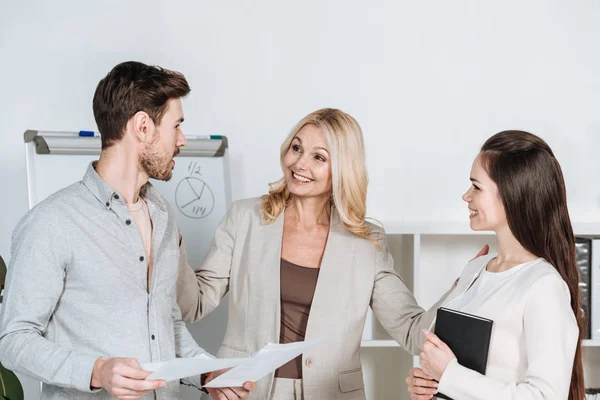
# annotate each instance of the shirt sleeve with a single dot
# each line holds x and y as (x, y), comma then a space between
(551, 336)
(185, 345)
(34, 284)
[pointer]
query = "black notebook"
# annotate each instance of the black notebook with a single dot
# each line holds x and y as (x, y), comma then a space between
(468, 336)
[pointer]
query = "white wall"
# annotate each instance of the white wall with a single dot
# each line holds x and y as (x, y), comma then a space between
(429, 81)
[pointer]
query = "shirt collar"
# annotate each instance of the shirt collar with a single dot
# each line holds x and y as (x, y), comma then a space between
(109, 196)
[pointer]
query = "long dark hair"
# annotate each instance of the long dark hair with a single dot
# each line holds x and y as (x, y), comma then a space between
(532, 189)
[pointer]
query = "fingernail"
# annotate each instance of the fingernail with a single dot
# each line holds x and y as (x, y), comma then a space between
(426, 332)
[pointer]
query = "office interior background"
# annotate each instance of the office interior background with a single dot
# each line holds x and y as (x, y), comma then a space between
(428, 82)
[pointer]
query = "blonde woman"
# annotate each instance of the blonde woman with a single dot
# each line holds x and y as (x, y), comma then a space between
(302, 263)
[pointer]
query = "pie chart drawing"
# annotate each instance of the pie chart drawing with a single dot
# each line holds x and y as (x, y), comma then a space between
(194, 198)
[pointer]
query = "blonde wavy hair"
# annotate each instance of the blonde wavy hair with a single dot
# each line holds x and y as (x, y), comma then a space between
(348, 171)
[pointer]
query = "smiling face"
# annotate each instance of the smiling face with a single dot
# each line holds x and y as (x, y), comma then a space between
(307, 164)
(157, 157)
(486, 210)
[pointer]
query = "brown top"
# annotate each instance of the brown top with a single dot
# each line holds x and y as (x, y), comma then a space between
(297, 290)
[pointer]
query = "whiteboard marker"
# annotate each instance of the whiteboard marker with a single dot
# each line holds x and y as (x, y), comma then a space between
(67, 133)
(89, 134)
(206, 137)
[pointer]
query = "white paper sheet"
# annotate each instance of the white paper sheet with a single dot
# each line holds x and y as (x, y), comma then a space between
(261, 363)
(185, 367)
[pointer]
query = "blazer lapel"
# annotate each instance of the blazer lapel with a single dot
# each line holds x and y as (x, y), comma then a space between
(270, 279)
(328, 307)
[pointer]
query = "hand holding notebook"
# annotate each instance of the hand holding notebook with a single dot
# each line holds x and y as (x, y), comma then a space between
(457, 334)
(436, 356)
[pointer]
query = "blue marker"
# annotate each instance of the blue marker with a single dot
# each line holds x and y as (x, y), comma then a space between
(89, 134)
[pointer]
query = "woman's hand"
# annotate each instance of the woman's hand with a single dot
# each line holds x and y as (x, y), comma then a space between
(229, 393)
(436, 356)
(483, 252)
(420, 385)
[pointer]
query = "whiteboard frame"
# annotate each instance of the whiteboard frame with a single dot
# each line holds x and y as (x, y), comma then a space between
(61, 143)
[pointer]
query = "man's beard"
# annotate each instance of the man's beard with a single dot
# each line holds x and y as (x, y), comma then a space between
(156, 163)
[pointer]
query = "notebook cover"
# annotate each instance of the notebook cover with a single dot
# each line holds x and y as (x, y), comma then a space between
(467, 335)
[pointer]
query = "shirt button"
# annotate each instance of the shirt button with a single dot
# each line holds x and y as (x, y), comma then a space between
(153, 337)
(309, 362)
(141, 258)
(107, 204)
(116, 196)
(128, 222)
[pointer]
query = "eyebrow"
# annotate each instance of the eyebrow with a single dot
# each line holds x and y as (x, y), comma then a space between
(180, 120)
(474, 180)
(318, 148)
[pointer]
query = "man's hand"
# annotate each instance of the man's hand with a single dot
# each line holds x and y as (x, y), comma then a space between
(420, 385)
(229, 393)
(123, 378)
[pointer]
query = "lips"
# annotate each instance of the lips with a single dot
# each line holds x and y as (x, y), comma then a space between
(175, 154)
(300, 178)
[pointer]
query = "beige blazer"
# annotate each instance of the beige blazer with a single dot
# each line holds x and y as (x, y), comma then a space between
(244, 260)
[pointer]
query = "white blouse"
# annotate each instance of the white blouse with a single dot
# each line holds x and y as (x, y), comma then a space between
(534, 335)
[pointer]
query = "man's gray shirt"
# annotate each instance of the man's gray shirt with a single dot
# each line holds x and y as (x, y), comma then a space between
(76, 290)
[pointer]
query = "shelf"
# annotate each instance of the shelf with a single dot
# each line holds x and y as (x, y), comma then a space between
(462, 228)
(393, 343)
(431, 228)
(586, 228)
(429, 256)
(379, 343)
(591, 343)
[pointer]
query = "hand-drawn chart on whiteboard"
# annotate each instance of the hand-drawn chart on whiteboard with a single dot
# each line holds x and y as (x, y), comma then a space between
(194, 198)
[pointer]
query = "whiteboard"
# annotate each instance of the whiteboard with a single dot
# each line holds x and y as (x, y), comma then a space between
(199, 194)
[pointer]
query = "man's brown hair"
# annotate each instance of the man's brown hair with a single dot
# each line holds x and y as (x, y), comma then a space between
(131, 87)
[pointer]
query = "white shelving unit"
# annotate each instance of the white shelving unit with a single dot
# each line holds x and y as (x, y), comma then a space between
(429, 257)
(393, 343)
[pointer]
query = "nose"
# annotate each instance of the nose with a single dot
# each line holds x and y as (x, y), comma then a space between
(467, 196)
(181, 140)
(301, 162)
